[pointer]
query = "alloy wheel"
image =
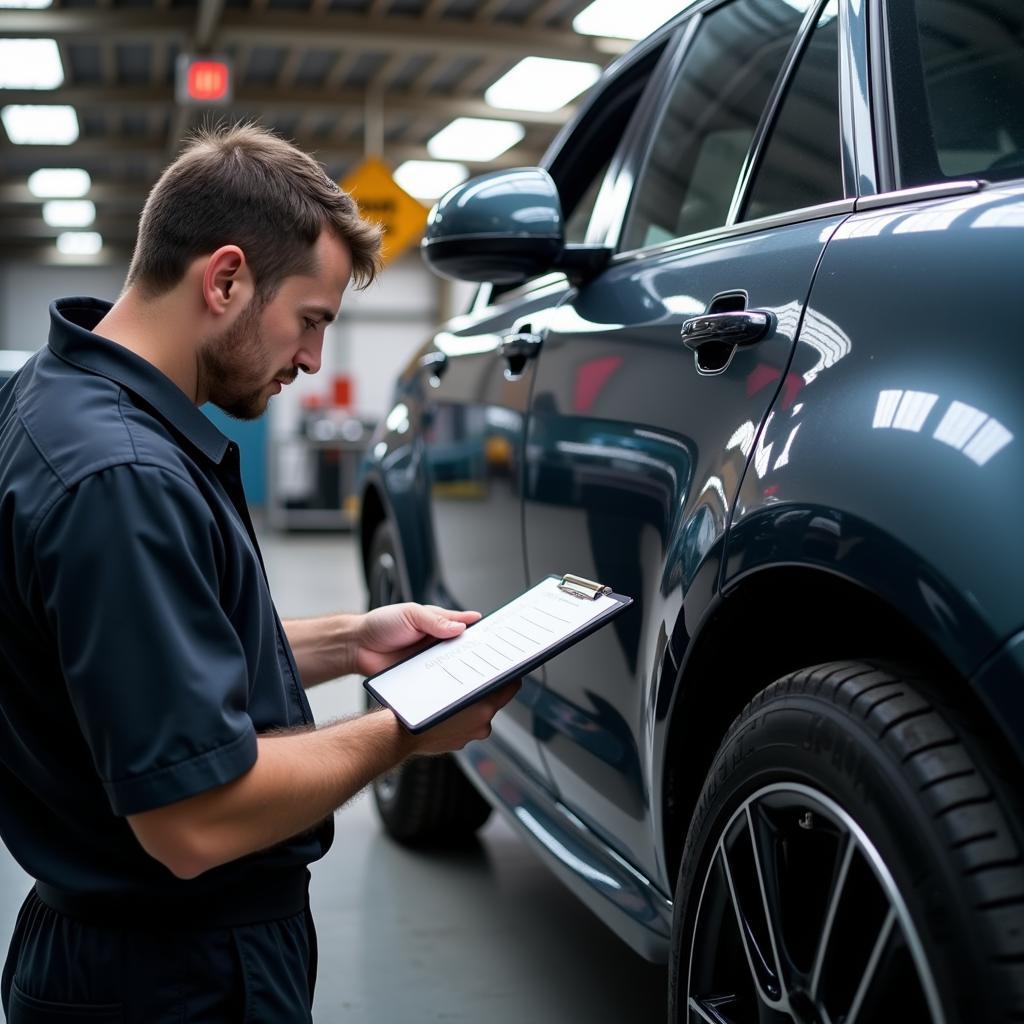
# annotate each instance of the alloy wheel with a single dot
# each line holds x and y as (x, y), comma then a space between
(800, 922)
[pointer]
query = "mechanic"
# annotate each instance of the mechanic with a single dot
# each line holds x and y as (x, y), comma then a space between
(161, 776)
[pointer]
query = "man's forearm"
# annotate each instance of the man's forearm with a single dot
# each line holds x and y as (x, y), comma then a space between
(324, 648)
(297, 781)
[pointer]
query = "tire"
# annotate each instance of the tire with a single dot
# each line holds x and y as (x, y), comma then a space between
(426, 801)
(854, 810)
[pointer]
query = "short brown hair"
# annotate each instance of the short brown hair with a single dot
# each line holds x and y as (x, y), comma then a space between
(241, 185)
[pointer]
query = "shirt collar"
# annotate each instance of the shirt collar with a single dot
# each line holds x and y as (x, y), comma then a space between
(71, 338)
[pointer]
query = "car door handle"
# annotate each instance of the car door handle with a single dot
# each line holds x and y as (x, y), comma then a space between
(743, 327)
(435, 364)
(524, 345)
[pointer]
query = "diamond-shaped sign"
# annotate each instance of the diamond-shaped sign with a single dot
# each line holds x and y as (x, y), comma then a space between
(380, 199)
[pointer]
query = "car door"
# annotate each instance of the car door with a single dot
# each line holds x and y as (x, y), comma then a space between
(480, 373)
(636, 443)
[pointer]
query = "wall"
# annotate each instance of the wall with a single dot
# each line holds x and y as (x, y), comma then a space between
(26, 291)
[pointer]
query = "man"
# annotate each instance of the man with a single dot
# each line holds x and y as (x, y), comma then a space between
(160, 774)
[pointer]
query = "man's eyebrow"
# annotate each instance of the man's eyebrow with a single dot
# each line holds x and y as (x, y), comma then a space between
(323, 313)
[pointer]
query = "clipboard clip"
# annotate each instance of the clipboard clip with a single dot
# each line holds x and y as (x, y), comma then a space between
(584, 589)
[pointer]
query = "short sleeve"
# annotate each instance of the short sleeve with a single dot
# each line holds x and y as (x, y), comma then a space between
(128, 564)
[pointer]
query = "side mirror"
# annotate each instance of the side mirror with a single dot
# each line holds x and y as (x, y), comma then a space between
(502, 227)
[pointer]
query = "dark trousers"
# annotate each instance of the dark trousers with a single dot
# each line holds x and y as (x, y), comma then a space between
(61, 970)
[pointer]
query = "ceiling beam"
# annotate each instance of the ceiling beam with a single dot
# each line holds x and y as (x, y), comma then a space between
(325, 151)
(251, 99)
(121, 193)
(286, 28)
(207, 23)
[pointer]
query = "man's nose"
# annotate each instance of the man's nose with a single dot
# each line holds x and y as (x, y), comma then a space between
(307, 359)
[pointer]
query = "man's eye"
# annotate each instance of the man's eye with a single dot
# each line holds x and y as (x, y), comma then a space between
(310, 324)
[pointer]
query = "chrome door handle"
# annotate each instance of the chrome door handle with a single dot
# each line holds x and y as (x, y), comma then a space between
(524, 345)
(741, 328)
(435, 364)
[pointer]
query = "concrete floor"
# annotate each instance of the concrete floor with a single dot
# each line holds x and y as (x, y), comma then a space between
(485, 934)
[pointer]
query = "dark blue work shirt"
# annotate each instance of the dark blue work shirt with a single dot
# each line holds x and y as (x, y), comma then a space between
(140, 651)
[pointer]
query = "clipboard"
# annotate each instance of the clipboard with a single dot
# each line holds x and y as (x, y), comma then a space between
(532, 628)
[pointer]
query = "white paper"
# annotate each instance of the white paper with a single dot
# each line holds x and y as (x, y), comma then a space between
(509, 638)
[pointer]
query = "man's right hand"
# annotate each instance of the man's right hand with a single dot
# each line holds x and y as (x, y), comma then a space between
(472, 723)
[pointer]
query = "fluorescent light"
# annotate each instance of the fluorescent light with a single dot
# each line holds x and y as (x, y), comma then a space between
(69, 213)
(30, 64)
(32, 125)
(540, 83)
(26, 5)
(80, 243)
(626, 19)
(59, 183)
(475, 138)
(430, 179)
(959, 425)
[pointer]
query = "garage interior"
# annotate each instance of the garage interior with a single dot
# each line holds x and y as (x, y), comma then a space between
(480, 933)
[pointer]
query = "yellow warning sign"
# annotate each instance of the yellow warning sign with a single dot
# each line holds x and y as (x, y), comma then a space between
(382, 200)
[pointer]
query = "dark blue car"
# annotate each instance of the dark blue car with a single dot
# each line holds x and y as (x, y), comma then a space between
(745, 349)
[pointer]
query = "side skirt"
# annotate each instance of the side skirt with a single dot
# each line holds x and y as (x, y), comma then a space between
(615, 891)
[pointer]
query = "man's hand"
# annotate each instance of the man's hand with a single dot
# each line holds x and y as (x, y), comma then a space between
(472, 723)
(387, 635)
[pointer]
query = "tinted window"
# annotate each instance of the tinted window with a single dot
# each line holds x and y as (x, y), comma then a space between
(702, 137)
(958, 78)
(802, 165)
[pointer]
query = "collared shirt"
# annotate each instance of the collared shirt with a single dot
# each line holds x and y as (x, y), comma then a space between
(140, 651)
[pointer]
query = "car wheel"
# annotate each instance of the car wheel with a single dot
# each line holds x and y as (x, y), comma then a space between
(426, 800)
(854, 859)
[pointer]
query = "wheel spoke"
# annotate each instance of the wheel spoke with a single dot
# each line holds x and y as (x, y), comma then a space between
(769, 905)
(760, 969)
(709, 1010)
(830, 915)
(872, 966)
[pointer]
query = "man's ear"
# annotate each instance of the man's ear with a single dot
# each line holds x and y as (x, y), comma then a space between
(227, 281)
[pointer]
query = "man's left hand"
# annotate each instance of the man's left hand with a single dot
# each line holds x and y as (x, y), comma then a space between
(387, 635)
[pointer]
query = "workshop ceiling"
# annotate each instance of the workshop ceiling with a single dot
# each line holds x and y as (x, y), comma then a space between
(333, 75)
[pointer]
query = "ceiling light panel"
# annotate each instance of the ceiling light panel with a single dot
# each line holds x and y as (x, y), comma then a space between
(79, 243)
(475, 138)
(540, 83)
(626, 19)
(32, 125)
(430, 179)
(26, 5)
(30, 64)
(59, 183)
(69, 213)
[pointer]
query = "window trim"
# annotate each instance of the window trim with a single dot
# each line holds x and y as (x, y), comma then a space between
(745, 227)
(883, 108)
(769, 116)
(860, 172)
(690, 24)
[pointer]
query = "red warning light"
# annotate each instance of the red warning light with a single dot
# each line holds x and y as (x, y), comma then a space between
(203, 80)
(208, 80)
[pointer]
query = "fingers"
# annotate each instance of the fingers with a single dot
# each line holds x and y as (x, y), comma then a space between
(440, 622)
(501, 697)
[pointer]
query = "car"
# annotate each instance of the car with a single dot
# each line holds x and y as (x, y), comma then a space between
(11, 361)
(740, 350)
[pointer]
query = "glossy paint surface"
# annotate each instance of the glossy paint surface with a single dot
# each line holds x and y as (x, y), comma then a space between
(633, 459)
(873, 437)
(897, 459)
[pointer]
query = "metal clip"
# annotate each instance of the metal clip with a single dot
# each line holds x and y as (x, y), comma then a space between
(586, 590)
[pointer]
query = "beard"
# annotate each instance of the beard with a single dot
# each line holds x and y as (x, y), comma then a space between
(234, 369)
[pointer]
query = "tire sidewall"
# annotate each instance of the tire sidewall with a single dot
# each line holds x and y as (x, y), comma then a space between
(813, 742)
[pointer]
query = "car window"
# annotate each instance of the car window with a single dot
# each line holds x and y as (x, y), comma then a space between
(577, 223)
(802, 162)
(957, 71)
(701, 140)
(581, 164)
